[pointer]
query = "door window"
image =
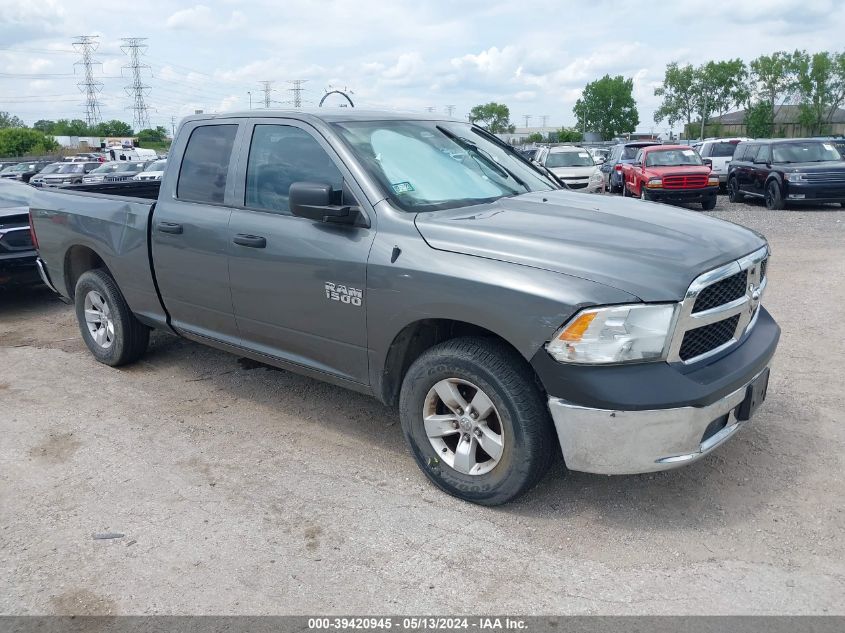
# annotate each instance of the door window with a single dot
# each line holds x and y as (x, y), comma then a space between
(205, 165)
(764, 155)
(279, 156)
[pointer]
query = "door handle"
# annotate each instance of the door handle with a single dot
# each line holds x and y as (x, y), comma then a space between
(169, 227)
(253, 241)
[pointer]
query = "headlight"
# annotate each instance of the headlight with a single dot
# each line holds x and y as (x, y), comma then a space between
(795, 177)
(712, 180)
(654, 183)
(615, 334)
(597, 176)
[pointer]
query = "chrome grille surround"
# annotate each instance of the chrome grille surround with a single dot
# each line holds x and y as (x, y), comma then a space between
(747, 307)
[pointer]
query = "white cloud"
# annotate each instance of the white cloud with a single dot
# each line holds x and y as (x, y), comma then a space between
(203, 19)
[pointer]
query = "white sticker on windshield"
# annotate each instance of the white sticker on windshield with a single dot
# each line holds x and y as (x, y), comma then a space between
(583, 155)
(689, 152)
(403, 187)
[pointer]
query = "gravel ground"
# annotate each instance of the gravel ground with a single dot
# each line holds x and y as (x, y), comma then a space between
(239, 489)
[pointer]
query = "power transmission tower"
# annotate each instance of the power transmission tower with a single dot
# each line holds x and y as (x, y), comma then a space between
(430, 108)
(527, 118)
(135, 47)
(86, 45)
(296, 91)
(450, 109)
(173, 127)
(267, 88)
(545, 119)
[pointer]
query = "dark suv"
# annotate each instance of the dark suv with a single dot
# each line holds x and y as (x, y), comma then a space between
(787, 170)
(620, 155)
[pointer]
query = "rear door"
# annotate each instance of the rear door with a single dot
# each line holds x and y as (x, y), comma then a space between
(190, 232)
(298, 285)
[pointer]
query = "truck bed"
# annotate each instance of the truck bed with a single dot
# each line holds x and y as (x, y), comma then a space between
(72, 224)
(146, 189)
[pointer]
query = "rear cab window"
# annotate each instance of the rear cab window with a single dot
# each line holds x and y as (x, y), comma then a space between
(205, 164)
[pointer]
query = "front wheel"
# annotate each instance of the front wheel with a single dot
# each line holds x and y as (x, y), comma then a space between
(708, 204)
(112, 333)
(734, 194)
(774, 199)
(475, 421)
(644, 195)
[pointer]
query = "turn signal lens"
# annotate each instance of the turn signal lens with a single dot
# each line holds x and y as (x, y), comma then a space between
(576, 330)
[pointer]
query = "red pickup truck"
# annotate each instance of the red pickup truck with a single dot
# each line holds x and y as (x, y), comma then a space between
(670, 173)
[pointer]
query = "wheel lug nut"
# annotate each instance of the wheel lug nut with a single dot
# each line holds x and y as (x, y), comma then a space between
(466, 437)
(460, 411)
(473, 415)
(477, 432)
(454, 424)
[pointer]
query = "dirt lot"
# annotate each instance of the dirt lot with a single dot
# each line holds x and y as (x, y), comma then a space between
(240, 489)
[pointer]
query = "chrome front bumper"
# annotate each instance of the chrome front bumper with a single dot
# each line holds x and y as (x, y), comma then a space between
(628, 442)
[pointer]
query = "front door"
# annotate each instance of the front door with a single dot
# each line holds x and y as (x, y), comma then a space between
(190, 235)
(760, 169)
(298, 286)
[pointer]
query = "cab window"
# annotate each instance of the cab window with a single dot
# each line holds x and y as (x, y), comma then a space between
(205, 165)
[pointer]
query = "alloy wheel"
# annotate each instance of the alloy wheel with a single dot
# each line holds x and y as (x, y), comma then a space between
(98, 319)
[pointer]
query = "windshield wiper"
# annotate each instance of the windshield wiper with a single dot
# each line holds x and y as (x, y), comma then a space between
(485, 156)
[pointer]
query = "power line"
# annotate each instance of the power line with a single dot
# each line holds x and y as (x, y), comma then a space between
(296, 91)
(135, 47)
(527, 118)
(86, 45)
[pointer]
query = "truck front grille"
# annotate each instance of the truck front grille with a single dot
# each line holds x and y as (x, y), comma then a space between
(691, 181)
(719, 308)
(708, 337)
(722, 292)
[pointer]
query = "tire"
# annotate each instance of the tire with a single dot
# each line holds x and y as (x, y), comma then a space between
(519, 416)
(734, 194)
(842, 204)
(709, 204)
(644, 195)
(625, 192)
(110, 330)
(774, 199)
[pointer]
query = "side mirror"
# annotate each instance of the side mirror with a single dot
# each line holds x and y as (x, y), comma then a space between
(708, 162)
(600, 160)
(313, 200)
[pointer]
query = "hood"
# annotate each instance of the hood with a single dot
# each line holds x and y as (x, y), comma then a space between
(650, 250)
(684, 170)
(573, 172)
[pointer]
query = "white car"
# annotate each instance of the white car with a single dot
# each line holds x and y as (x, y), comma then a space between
(573, 165)
(153, 171)
(719, 151)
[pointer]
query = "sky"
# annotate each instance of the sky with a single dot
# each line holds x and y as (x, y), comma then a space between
(533, 55)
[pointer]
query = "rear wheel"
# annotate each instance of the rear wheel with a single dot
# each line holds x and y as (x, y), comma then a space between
(625, 192)
(110, 330)
(476, 423)
(734, 194)
(774, 199)
(643, 195)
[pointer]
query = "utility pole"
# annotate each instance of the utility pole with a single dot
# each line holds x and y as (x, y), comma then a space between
(135, 47)
(173, 127)
(430, 108)
(296, 91)
(544, 118)
(86, 45)
(450, 109)
(267, 88)
(249, 92)
(527, 118)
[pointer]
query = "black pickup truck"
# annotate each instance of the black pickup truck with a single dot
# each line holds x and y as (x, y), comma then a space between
(423, 261)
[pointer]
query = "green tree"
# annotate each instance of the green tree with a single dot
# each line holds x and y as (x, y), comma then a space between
(773, 78)
(680, 95)
(493, 116)
(112, 128)
(44, 125)
(820, 86)
(10, 120)
(535, 137)
(155, 135)
(75, 127)
(759, 120)
(607, 106)
(721, 87)
(569, 135)
(24, 141)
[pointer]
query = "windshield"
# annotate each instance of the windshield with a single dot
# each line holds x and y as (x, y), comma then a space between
(428, 165)
(570, 159)
(107, 168)
(51, 169)
(156, 166)
(672, 158)
(130, 167)
(809, 152)
(72, 168)
(19, 168)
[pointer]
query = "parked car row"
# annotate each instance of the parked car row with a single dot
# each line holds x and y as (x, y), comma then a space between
(60, 174)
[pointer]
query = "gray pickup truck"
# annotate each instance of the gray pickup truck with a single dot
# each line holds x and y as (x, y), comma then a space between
(424, 262)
